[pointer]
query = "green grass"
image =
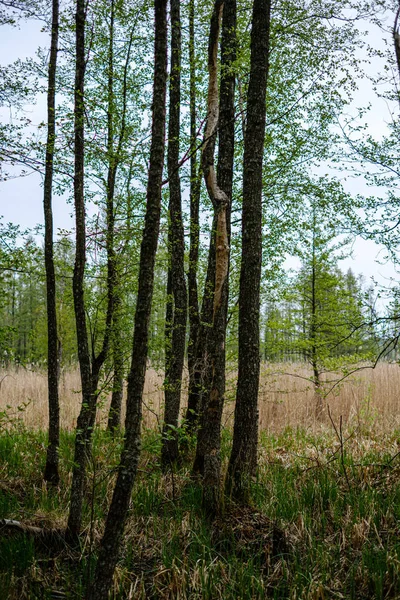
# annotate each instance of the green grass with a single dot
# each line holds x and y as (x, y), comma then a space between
(324, 523)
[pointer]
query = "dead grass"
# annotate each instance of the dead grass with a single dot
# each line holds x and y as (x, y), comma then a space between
(367, 399)
(24, 394)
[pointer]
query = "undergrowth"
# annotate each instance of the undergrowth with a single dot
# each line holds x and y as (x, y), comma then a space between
(324, 523)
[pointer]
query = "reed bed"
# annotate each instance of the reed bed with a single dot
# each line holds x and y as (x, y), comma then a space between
(368, 398)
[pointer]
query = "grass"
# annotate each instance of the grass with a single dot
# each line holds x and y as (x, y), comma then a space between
(324, 522)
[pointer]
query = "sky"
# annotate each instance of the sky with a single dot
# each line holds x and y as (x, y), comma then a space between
(21, 198)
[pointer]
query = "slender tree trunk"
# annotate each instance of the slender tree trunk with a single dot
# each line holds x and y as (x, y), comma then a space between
(51, 473)
(314, 327)
(194, 391)
(173, 380)
(114, 159)
(75, 513)
(109, 548)
(243, 459)
(220, 115)
(90, 367)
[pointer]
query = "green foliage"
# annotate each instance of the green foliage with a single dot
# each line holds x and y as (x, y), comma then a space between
(321, 316)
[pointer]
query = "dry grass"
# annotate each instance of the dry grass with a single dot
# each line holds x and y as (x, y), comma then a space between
(27, 390)
(369, 398)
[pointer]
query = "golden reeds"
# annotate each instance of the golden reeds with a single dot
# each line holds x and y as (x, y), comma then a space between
(368, 398)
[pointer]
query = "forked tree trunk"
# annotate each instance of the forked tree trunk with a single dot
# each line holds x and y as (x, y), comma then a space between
(51, 473)
(243, 459)
(176, 329)
(219, 200)
(220, 117)
(111, 541)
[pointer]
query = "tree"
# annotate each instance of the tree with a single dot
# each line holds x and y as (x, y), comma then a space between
(220, 119)
(51, 469)
(194, 391)
(243, 459)
(177, 294)
(109, 548)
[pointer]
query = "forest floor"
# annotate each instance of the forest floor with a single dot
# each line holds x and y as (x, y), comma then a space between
(324, 521)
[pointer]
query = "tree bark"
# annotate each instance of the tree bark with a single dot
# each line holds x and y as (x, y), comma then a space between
(114, 415)
(194, 391)
(51, 473)
(75, 512)
(90, 366)
(114, 160)
(314, 326)
(243, 459)
(109, 547)
(218, 198)
(221, 117)
(177, 332)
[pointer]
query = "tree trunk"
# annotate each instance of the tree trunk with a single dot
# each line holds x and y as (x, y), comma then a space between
(77, 487)
(194, 391)
(243, 459)
(109, 548)
(314, 325)
(51, 473)
(90, 368)
(114, 415)
(220, 116)
(176, 241)
(219, 200)
(114, 159)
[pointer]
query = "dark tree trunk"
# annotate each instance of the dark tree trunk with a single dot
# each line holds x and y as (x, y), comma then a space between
(114, 159)
(90, 367)
(77, 487)
(176, 240)
(220, 192)
(243, 459)
(110, 544)
(51, 473)
(194, 390)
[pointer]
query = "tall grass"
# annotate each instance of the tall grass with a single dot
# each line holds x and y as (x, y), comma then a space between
(368, 398)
